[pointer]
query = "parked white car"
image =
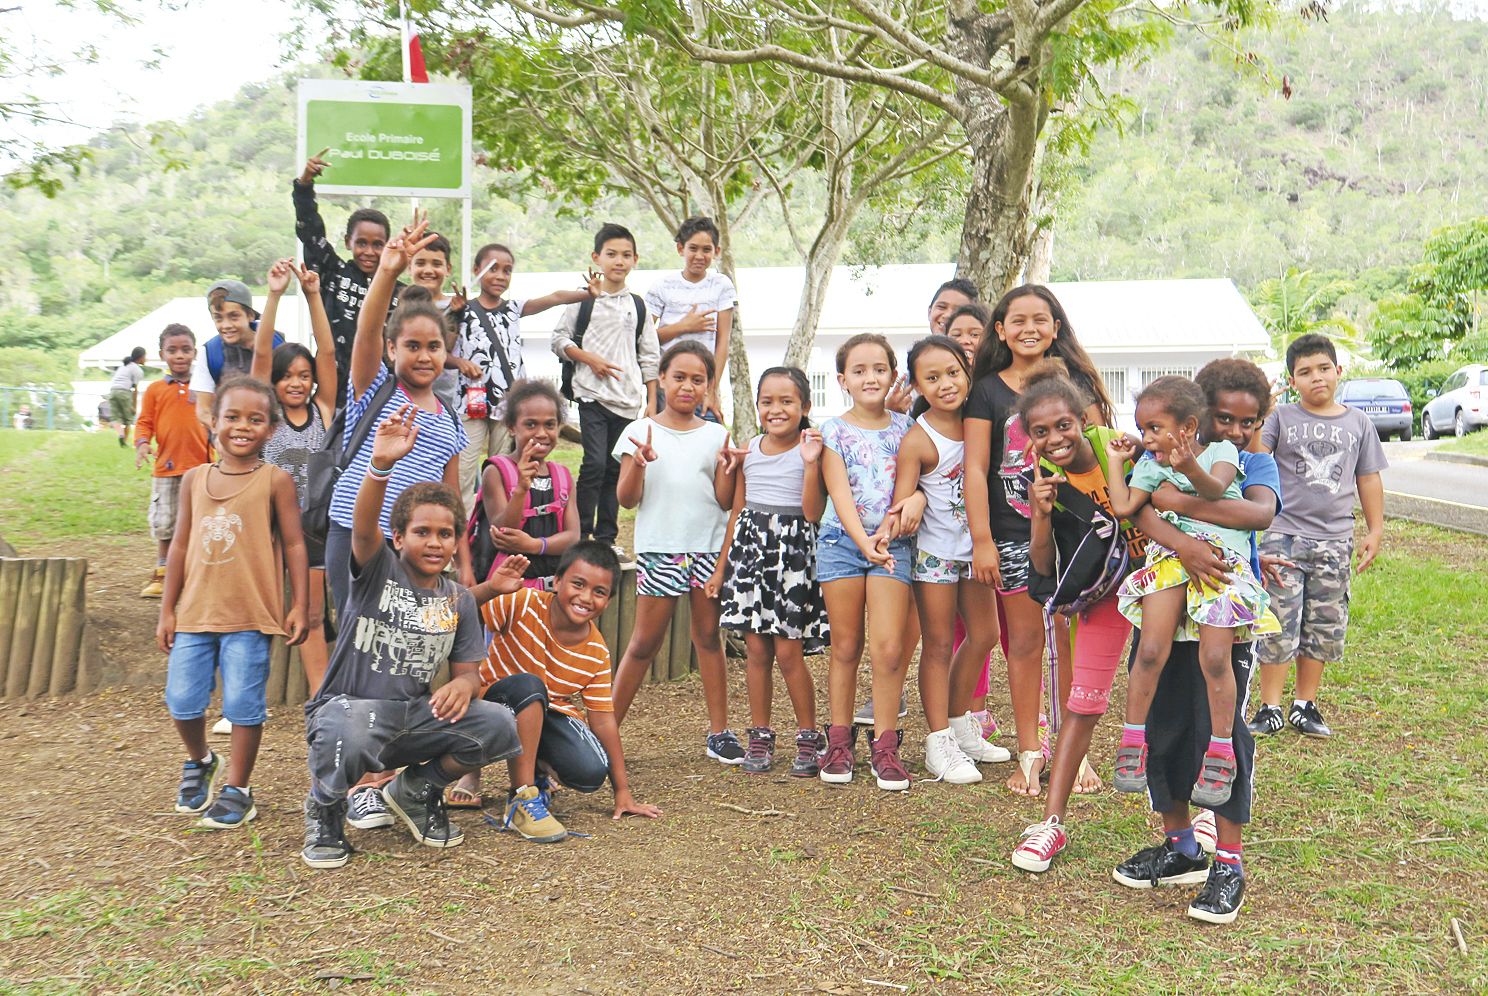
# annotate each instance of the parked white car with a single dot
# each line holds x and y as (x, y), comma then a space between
(1460, 405)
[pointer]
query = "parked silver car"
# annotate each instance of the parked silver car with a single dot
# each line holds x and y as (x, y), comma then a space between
(1461, 403)
(1385, 401)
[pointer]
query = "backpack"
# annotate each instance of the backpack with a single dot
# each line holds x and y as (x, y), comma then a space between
(484, 557)
(216, 351)
(581, 325)
(327, 464)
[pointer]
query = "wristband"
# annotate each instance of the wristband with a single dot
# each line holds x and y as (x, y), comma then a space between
(544, 541)
(381, 475)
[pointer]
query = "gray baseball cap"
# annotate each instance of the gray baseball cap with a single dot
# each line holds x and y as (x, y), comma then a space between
(237, 292)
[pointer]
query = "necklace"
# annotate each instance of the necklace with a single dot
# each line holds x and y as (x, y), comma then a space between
(236, 473)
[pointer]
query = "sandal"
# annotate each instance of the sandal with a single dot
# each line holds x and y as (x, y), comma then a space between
(457, 796)
(1085, 775)
(1026, 760)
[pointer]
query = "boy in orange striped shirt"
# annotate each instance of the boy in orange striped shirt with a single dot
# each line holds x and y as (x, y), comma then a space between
(546, 649)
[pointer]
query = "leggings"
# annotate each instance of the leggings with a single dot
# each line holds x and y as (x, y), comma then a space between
(1100, 643)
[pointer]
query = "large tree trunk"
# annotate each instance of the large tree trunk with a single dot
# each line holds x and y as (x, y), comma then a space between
(1040, 256)
(995, 236)
(744, 425)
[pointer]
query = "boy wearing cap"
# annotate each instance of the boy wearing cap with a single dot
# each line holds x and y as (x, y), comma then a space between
(230, 351)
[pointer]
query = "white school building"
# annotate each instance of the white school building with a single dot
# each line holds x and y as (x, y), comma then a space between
(1135, 330)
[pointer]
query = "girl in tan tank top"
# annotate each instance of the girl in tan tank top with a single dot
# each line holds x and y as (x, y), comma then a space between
(238, 527)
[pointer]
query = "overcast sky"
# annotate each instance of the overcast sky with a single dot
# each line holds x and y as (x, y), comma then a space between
(209, 48)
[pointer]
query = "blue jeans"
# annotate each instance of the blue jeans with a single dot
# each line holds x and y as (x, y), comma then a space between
(838, 557)
(191, 675)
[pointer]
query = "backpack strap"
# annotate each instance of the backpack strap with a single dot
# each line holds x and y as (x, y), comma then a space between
(581, 322)
(640, 305)
(562, 483)
(368, 421)
(215, 357)
(483, 315)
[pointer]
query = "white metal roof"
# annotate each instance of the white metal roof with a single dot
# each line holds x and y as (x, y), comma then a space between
(1110, 315)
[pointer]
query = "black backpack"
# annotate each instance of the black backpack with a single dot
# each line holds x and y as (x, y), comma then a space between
(581, 325)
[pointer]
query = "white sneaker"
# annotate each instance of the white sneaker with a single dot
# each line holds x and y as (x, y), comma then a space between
(1205, 831)
(968, 733)
(946, 762)
(222, 728)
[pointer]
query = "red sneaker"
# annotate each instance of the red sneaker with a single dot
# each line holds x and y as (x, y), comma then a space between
(1039, 845)
(838, 761)
(887, 768)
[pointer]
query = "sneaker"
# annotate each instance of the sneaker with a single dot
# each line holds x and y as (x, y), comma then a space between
(944, 760)
(528, 815)
(864, 715)
(761, 753)
(222, 728)
(156, 587)
(626, 561)
(367, 809)
(419, 803)
(968, 733)
(1216, 779)
(325, 836)
(198, 780)
(886, 766)
(233, 808)
(1205, 831)
(1131, 769)
(809, 747)
(1267, 721)
(1162, 864)
(1219, 900)
(1306, 720)
(724, 747)
(1039, 845)
(838, 761)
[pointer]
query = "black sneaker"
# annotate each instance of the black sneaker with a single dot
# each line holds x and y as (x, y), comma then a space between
(809, 747)
(325, 835)
(1162, 864)
(419, 803)
(1219, 900)
(760, 756)
(724, 747)
(1267, 721)
(366, 809)
(233, 808)
(198, 779)
(1306, 720)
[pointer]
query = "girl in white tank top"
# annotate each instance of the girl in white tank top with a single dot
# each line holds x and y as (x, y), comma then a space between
(932, 459)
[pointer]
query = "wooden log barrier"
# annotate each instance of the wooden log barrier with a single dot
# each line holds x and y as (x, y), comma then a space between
(675, 659)
(43, 614)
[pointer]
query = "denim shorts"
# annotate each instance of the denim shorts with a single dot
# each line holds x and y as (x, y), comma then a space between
(838, 557)
(191, 675)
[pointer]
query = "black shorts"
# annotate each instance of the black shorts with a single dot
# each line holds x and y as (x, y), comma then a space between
(1178, 731)
(567, 744)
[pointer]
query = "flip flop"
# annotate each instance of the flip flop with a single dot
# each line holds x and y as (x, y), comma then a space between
(456, 796)
(1086, 769)
(1026, 759)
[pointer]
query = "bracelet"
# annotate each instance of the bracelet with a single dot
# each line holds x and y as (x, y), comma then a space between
(375, 472)
(544, 541)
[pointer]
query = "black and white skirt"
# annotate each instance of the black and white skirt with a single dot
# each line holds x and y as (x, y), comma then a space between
(770, 587)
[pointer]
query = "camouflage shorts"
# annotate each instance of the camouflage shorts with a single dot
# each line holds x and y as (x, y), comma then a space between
(1312, 602)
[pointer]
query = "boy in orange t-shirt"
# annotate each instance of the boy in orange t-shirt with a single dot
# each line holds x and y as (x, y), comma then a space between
(168, 415)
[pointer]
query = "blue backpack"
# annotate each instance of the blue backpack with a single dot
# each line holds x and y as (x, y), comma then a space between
(216, 351)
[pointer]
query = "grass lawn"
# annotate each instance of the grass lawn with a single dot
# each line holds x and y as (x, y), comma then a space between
(1475, 443)
(1363, 852)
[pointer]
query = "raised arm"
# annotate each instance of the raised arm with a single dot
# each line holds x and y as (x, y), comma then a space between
(325, 346)
(813, 490)
(392, 441)
(263, 339)
(726, 473)
(1041, 495)
(632, 483)
(309, 226)
(533, 306)
(367, 350)
(1125, 500)
(1210, 484)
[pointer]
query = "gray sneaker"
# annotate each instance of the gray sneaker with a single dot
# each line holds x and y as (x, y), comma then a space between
(864, 715)
(419, 803)
(810, 744)
(1131, 769)
(760, 755)
(1216, 780)
(325, 835)
(366, 809)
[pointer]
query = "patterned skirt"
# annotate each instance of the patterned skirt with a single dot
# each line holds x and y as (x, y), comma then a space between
(770, 587)
(1241, 605)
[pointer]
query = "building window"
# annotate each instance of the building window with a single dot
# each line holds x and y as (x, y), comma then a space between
(1150, 374)
(818, 389)
(1115, 380)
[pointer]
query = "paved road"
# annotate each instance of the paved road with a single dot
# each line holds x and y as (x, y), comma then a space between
(1444, 494)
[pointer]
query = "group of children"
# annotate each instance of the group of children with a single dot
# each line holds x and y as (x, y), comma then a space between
(984, 497)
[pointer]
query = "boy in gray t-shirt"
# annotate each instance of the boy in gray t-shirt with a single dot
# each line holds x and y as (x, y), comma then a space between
(1327, 455)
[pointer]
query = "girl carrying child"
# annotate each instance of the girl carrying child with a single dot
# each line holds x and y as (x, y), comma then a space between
(1161, 599)
(860, 560)
(932, 459)
(303, 386)
(1028, 325)
(678, 472)
(1071, 451)
(766, 574)
(239, 528)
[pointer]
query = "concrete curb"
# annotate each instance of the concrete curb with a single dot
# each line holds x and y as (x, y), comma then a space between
(1450, 457)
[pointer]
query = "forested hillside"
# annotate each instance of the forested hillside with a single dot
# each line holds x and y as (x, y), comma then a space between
(1216, 173)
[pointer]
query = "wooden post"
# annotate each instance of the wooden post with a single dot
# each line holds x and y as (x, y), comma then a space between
(72, 616)
(23, 630)
(10, 594)
(627, 597)
(278, 669)
(46, 629)
(679, 661)
(295, 690)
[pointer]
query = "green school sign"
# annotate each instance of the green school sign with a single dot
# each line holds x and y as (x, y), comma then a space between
(407, 139)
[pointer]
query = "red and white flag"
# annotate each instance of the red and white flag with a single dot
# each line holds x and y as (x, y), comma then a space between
(414, 70)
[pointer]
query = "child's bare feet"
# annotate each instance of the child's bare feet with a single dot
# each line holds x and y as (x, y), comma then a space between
(1025, 780)
(1087, 782)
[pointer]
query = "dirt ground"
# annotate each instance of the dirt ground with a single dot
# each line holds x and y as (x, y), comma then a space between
(760, 884)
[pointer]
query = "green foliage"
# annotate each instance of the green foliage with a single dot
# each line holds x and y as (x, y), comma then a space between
(1298, 303)
(1410, 330)
(1421, 379)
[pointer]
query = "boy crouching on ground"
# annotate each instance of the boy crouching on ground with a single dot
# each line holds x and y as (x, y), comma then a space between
(545, 649)
(403, 619)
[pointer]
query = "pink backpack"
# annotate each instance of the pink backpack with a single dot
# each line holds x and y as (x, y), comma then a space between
(484, 557)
